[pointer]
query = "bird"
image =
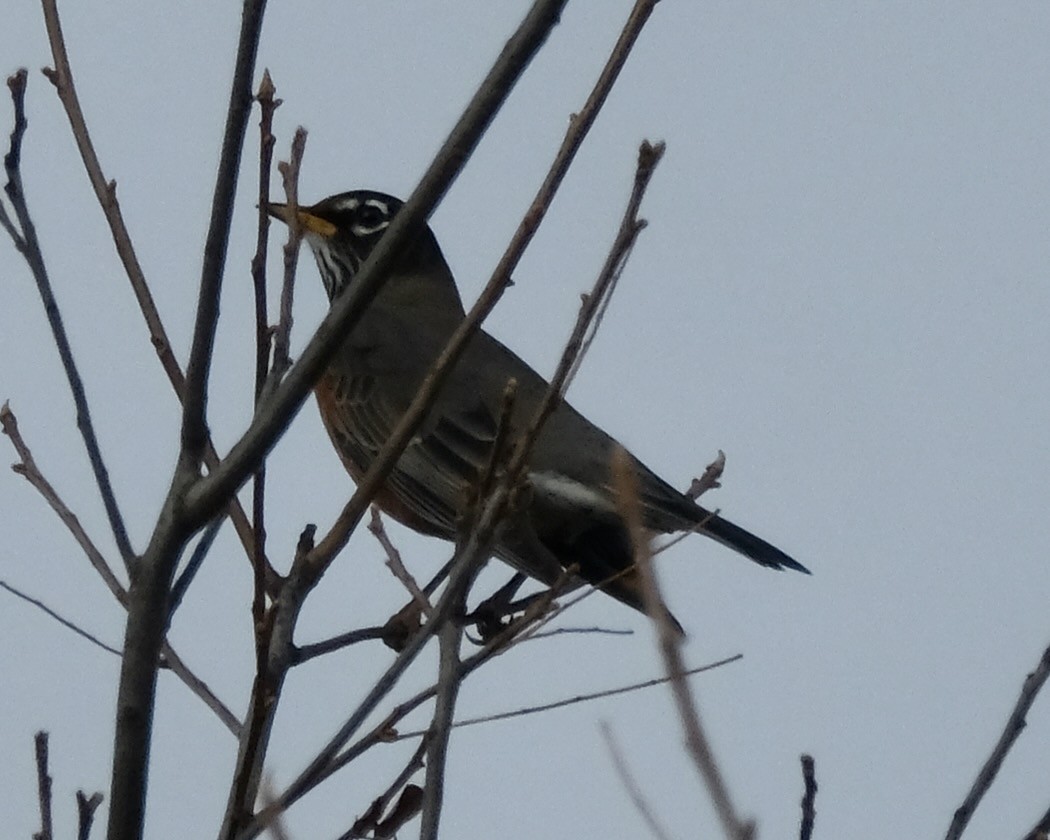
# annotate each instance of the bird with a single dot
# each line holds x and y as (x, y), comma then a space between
(569, 516)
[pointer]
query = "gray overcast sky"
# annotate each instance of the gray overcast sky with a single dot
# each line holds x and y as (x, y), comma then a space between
(843, 285)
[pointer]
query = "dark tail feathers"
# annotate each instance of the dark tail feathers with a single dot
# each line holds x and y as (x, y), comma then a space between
(752, 547)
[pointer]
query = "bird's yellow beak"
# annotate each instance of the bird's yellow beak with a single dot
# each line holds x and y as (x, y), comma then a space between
(308, 222)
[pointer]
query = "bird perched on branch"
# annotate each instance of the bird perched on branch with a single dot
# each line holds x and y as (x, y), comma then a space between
(569, 515)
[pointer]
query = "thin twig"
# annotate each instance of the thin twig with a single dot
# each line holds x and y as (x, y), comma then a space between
(65, 622)
(564, 631)
(669, 641)
(16, 83)
(305, 653)
(28, 469)
(409, 803)
(1014, 726)
(43, 786)
(195, 684)
(809, 811)
(569, 701)
(34, 257)
(395, 564)
(268, 103)
(372, 819)
(710, 479)
(290, 177)
(200, 551)
(450, 636)
(649, 155)
(86, 807)
(330, 761)
(106, 193)
(631, 786)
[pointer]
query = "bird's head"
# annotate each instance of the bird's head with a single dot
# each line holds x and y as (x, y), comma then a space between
(342, 230)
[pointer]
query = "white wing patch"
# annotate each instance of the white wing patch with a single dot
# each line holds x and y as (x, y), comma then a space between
(570, 492)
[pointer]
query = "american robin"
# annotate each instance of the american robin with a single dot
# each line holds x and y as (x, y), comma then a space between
(570, 515)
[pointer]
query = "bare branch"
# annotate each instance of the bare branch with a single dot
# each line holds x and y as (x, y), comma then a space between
(330, 760)
(570, 701)
(649, 156)
(147, 614)
(290, 176)
(195, 684)
(194, 423)
(106, 193)
(407, 805)
(200, 551)
(13, 159)
(28, 469)
(669, 640)
(809, 812)
(34, 257)
(268, 104)
(43, 784)
(63, 621)
(565, 631)
(450, 637)
(307, 652)
(494, 508)
(1014, 726)
(86, 807)
(395, 564)
(631, 786)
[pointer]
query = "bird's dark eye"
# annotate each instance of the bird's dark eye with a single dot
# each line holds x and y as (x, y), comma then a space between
(370, 218)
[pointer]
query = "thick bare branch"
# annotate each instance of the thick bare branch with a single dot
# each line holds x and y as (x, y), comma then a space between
(147, 614)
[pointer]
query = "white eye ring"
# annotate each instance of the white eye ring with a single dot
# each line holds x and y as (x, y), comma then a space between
(383, 209)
